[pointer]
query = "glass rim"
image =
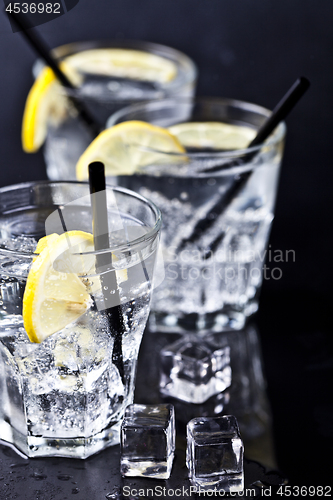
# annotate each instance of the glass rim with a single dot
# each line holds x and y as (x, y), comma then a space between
(155, 104)
(121, 247)
(175, 55)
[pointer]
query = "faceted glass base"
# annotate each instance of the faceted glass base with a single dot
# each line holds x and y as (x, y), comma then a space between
(220, 321)
(81, 447)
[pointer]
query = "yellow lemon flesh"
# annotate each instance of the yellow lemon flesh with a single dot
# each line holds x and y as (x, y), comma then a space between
(46, 104)
(215, 135)
(53, 298)
(55, 295)
(127, 147)
(124, 63)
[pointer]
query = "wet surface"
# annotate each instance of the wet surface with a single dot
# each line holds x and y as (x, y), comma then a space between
(296, 359)
(98, 477)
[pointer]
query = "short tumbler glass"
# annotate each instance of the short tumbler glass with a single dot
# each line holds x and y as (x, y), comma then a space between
(217, 209)
(66, 395)
(102, 95)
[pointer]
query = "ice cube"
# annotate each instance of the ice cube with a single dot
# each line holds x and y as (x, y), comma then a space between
(148, 441)
(20, 243)
(195, 369)
(214, 455)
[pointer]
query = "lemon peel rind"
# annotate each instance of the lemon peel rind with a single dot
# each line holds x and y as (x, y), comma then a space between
(40, 106)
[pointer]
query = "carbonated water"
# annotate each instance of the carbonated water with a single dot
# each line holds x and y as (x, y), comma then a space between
(213, 257)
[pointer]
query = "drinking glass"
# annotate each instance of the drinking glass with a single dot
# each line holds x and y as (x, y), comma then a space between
(102, 95)
(217, 209)
(66, 395)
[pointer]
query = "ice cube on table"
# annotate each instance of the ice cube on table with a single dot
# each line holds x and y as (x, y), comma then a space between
(194, 369)
(148, 441)
(214, 454)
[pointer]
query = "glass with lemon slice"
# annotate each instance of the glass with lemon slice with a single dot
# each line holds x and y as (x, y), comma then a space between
(108, 75)
(217, 198)
(66, 372)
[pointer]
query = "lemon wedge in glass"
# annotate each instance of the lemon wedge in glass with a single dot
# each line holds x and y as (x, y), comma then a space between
(55, 294)
(127, 147)
(215, 135)
(54, 298)
(46, 104)
(124, 63)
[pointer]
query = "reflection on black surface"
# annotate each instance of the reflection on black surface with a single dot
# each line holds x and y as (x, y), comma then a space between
(99, 475)
(245, 398)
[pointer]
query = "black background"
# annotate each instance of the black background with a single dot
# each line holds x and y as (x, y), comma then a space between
(251, 50)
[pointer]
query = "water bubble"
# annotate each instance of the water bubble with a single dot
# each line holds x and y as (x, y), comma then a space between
(37, 476)
(64, 477)
(114, 494)
(211, 182)
(114, 86)
(184, 195)
(218, 409)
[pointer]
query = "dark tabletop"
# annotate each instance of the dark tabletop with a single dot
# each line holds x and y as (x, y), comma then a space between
(250, 50)
(295, 359)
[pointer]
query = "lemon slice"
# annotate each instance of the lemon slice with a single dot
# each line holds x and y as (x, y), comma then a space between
(55, 295)
(127, 147)
(45, 241)
(52, 298)
(124, 63)
(46, 103)
(214, 135)
(77, 259)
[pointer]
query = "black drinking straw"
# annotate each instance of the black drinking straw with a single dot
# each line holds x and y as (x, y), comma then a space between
(281, 110)
(112, 308)
(43, 51)
(278, 114)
